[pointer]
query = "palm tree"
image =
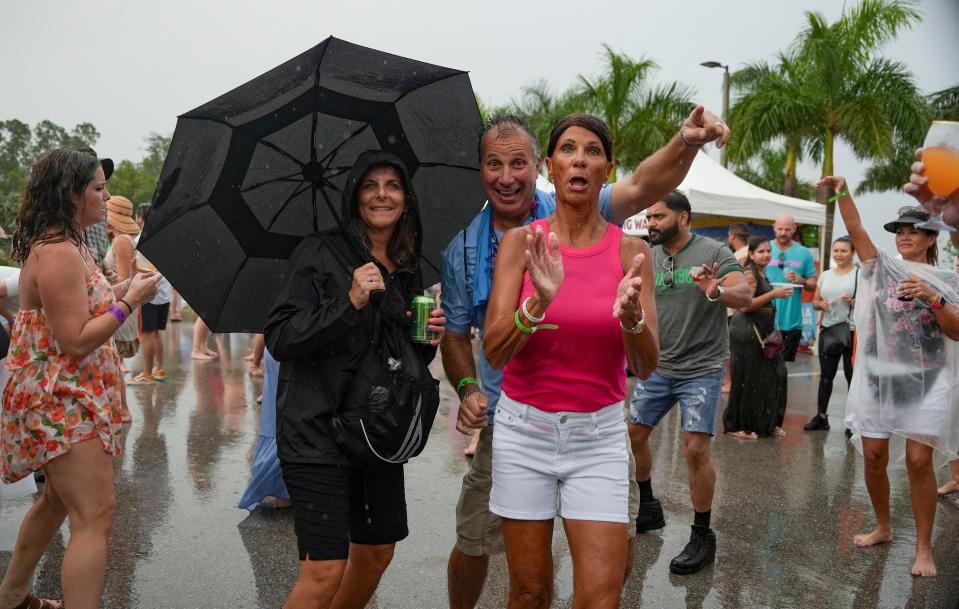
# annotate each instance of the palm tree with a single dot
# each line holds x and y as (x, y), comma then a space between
(540, 108)
(641, 117)
(766, 171)
(893, 171)
(771, 105)
(849, 91)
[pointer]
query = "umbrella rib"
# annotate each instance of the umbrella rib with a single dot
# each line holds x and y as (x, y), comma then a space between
(343, 143)
(432, 82)
(239, 129)
(272, 181)
(296, 192)
(316, 88)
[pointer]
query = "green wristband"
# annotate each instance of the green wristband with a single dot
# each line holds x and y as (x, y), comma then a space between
(530, 330)
(838, 196)
(466, 380)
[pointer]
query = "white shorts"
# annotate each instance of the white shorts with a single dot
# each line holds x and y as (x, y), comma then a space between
(574, 464)
(926, 420)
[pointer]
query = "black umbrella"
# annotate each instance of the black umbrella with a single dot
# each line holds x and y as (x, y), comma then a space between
(252, 172)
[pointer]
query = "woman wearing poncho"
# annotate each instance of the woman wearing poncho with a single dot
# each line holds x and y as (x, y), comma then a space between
(906, 382)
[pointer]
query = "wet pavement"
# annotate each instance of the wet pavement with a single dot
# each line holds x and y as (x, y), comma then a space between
(785, 512)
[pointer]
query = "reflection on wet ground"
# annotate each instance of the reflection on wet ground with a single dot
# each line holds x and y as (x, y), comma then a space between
(785, 513)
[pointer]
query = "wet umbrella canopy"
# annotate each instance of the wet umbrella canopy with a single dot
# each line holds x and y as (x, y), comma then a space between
(251, 173)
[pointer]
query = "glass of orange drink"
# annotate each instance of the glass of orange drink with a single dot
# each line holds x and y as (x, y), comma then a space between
(940, 155)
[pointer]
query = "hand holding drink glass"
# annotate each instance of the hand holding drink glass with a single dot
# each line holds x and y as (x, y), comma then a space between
(940, 160)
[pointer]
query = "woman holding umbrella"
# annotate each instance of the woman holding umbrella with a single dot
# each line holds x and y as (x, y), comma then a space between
(348, 517)
(61, 407)
(572, 303)
(905, 388)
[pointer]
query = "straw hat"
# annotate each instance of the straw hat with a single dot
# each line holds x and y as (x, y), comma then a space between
(120, 216)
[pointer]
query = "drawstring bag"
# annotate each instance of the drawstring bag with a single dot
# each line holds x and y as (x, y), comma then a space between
(386, 413)
(837, 339)
(772, 344)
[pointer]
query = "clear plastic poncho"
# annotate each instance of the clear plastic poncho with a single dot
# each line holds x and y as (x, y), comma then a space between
(906, 378)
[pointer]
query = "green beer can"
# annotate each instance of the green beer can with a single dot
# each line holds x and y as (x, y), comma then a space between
(419, 330)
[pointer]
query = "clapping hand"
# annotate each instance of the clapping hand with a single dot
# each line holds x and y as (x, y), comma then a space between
(544, 262)
(627, 305)
(702, 127)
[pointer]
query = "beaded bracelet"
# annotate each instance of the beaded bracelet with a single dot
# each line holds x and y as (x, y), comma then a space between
(530, 329)
(117, 312)
(686, 142)
(529, 316)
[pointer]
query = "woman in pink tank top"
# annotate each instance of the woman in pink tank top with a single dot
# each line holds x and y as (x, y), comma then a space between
(572, 304)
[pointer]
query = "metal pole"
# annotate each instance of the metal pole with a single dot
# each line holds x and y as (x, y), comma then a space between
(722, 155)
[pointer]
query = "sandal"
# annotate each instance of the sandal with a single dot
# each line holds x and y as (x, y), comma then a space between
(141, 379)
(159, 374)
(33, 602)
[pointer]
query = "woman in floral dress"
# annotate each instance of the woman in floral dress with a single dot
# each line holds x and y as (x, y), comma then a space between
(61, 409)
(903, 402)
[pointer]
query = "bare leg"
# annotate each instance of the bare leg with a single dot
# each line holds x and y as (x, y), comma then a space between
(150, 341)
(364, 568)
(876, 458)
(158, 342)
(599, 551)
(639, 441)
(175, 307)
(465, 576)
(702, 476)
(200, 334)
(316, 585)
(922, 484)
(83, 479)
(952, 486)
(256, 355)
(40, 524)
(530, 560)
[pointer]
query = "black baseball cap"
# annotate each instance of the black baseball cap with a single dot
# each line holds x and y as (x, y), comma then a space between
(107, 164)
(907, 215)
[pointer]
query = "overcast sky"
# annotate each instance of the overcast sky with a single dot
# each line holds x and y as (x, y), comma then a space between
(131, 67)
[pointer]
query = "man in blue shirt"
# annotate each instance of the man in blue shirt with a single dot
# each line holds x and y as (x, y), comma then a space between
(509, 165)
(791, 263)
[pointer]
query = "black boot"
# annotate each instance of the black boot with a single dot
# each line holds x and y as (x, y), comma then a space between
(817, 423)
(699, 552)
(650, 516)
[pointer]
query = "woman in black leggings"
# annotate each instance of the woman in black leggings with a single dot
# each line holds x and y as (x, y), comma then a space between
(835, 296)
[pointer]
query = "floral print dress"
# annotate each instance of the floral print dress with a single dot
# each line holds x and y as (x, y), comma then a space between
(51, 400)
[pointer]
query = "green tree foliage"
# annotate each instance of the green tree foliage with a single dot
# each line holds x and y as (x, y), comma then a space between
(642, 116)
(891, 172)
(19, 148)
(138, 181)
(849, 90)
(766, 170)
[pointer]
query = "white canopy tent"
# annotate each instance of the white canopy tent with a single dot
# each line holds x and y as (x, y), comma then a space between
(714, 190)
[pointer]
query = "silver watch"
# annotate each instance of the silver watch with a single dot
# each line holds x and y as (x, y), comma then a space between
(721, 291)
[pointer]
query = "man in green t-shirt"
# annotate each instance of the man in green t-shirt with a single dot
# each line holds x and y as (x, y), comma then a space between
(696, 279)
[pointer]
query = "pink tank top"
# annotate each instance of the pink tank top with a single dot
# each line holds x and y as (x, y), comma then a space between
(581, 366)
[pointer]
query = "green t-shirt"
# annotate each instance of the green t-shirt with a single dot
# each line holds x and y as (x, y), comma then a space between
(693, 332)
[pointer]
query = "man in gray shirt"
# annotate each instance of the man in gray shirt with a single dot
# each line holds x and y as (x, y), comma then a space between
(696, 279)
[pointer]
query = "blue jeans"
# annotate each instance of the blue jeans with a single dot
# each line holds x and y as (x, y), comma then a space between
(698, 399)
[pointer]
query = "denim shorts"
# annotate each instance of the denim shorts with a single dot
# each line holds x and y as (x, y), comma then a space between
(699, 399)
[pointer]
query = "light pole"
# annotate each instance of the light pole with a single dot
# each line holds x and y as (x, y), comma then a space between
(716, 64)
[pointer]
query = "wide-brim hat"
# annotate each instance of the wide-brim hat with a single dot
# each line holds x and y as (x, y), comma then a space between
(907, 215)
(120, 216)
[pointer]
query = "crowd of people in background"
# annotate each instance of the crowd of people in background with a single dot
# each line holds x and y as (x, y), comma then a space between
(573, 301)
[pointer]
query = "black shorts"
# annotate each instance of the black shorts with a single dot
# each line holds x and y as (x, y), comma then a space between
(791, 340)
(153, 317)
(336, 505)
